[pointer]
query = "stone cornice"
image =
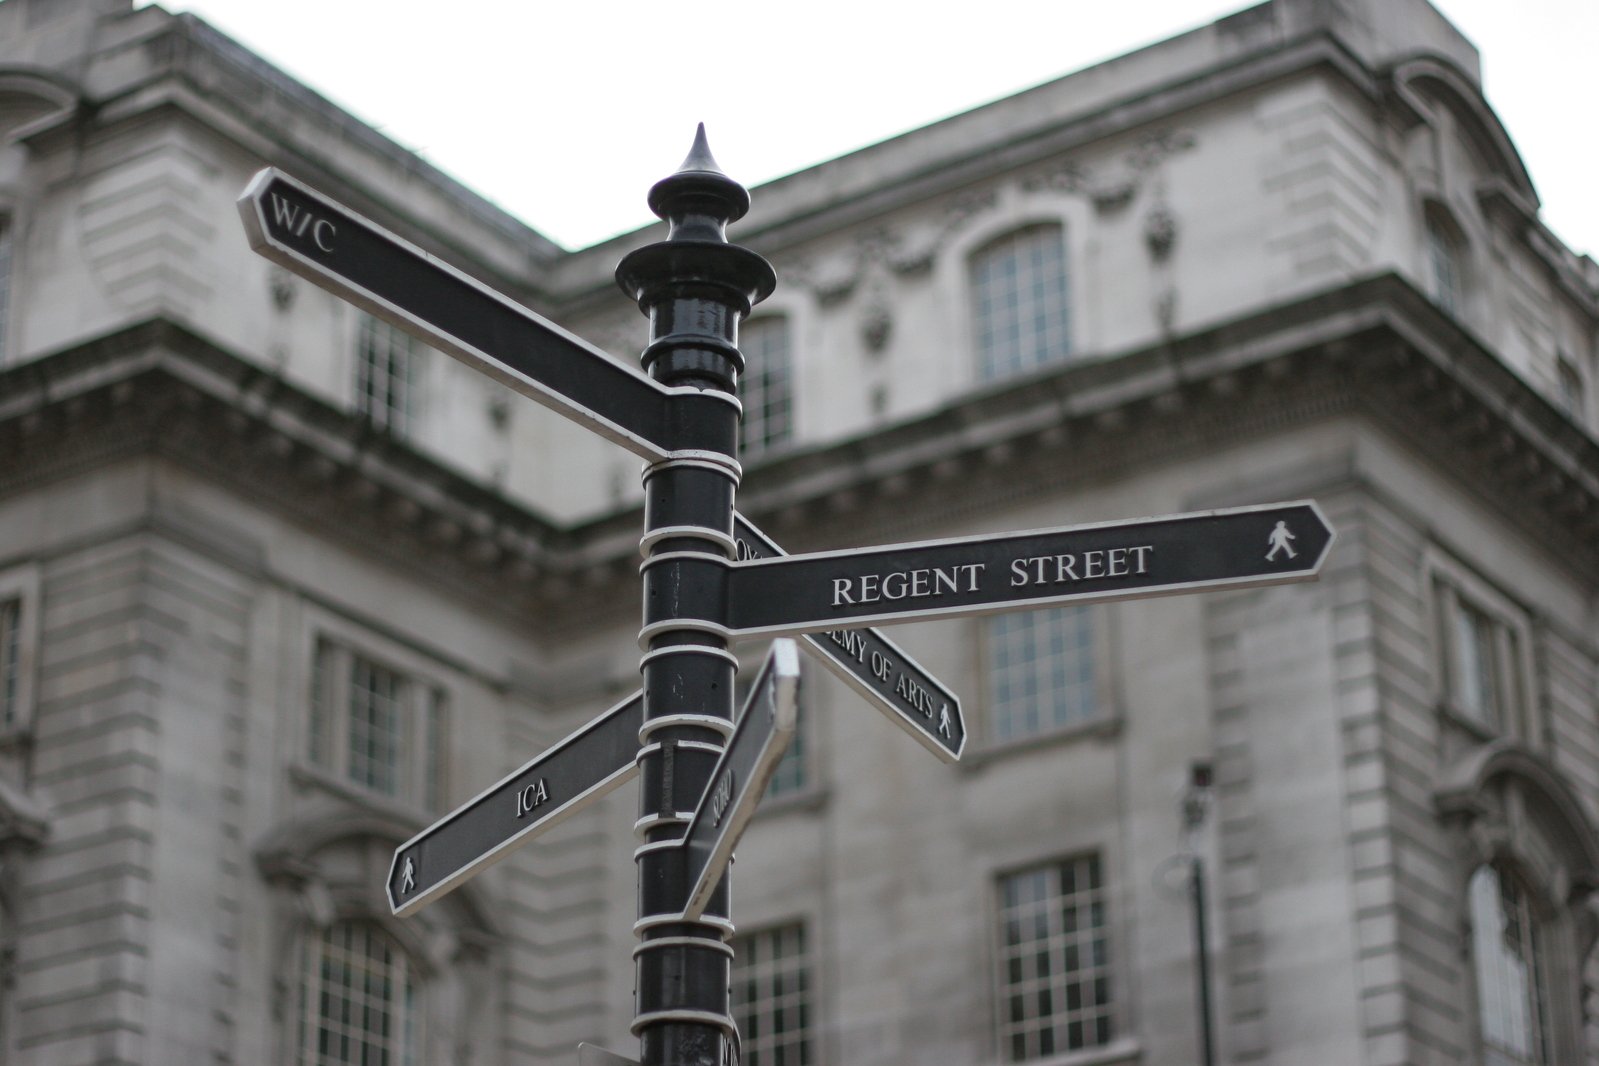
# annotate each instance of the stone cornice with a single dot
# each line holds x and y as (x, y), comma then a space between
(1376, 349)
(158, 389)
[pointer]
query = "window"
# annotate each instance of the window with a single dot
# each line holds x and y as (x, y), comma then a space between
(10, 663)
(1512, 1006)
(19, 608)
(1568, 388)
(358, 1000)
(771, 997)
(1054, 960)
(767, 389)
(1482, 675)
(375, 726)
(1020, 310)
(5, 285)
(1041, 671)
(1444, 276)
(385, 365)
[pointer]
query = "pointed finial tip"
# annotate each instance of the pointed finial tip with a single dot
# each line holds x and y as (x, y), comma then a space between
(699, 156)
(700, 180)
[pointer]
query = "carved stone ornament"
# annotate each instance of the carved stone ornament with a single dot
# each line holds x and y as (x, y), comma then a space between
(1160, 232)
(1166, 310)
(966, 206)
(1112, 192)
(888, 247)
(1159, 146)
(1069, 176)
(499, 409)
(877, 325)
(280, 283)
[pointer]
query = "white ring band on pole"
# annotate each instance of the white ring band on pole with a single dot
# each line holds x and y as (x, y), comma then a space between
(702, 745)
(682, 941)
(668, 557)
(690, 625)
(688, 649)
(715, 462)
(643, 925)
(655, 536)
(715, 394)
(656, 821)
(707, 721)
(704, 1017)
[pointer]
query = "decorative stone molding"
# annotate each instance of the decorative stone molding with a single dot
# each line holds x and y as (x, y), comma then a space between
(1378, 345)
(1160, 232)
(876, 325)
(1159, 146)
(283, 288)
(889, 249)
(1113, 192)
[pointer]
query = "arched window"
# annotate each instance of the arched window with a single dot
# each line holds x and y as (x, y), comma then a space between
(1512, 1002)
(358, 999)
(1528, 851)
(767, 388)
(1021, 311)
(352, 986)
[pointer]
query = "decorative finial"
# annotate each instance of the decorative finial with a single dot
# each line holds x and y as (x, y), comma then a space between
(699, 156)
(699, 187)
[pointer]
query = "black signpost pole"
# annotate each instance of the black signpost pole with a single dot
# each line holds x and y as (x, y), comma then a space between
(695, 287)
(683, 420)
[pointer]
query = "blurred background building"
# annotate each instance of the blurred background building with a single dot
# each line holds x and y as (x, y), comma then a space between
(279, 585)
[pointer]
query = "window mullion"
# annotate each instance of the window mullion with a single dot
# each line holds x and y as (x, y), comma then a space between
(342, 680)
(1514, 718)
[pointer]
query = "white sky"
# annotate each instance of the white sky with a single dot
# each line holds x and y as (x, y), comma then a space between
(586, 104)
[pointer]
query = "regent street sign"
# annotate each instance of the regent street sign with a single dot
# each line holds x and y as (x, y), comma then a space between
(711, 578)
(1137, 559)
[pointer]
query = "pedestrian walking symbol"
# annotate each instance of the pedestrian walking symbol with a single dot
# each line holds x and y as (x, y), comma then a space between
(408, 875)
(1279, 542)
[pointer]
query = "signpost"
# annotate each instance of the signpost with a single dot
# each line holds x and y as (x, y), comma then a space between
(765, 728)
(711, 577)
(535, 799)
(386, 275)
(877, 668)
(1146, 557)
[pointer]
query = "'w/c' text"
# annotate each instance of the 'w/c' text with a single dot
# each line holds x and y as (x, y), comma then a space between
(299, 221)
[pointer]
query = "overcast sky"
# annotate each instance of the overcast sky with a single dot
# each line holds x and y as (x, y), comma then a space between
(564, 114)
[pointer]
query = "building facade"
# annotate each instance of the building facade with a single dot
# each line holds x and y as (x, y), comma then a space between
(279, 585)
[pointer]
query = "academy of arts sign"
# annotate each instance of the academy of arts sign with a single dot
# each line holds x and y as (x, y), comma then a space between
(711, 577)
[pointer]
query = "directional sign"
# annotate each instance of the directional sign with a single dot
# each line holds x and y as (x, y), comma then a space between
(580, 769)
(877, 668)
(1245, 546)
(764, 729)
(337, 249)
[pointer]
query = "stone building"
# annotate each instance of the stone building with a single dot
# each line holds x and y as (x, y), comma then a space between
(278, 585)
